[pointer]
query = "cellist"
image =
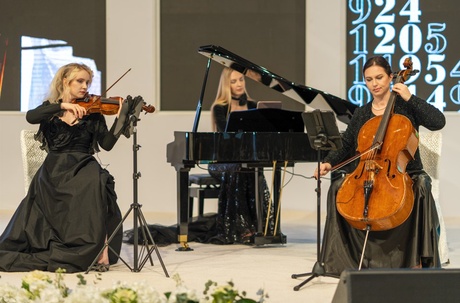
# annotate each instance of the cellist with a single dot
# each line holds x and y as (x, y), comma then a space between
(414, 243)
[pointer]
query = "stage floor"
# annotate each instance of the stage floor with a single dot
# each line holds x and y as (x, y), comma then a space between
(250, 268)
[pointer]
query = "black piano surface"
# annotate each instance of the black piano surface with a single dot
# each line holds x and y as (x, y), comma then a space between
(305, 95)
(189, 148)
(259, 148)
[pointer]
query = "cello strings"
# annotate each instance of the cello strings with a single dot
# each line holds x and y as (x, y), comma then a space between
(340, 165)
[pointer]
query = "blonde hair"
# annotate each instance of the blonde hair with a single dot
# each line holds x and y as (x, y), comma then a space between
(224, 93)
(59, 87)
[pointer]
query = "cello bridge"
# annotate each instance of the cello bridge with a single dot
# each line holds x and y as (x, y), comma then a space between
(373, 166)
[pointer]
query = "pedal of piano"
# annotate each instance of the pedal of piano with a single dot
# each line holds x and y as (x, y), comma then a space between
(260, 239)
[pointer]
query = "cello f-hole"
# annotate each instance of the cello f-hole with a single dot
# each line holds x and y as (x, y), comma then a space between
(389, 169)
(360, 174)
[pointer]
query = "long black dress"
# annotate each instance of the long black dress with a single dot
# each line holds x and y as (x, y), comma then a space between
(70, 206)
(237, 216)
(406, 246)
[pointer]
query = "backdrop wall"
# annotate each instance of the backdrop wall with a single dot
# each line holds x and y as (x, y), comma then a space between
(132, 42)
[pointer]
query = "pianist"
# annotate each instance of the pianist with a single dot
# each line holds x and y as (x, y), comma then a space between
(237, 219)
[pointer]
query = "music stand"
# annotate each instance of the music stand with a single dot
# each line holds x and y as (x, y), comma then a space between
(265, 120)
(323, 134)
(129, 116)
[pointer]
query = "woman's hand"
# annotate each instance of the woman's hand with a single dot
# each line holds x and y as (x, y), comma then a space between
(402, 90)
(324, 168)
(77, 110)
(120, 100)
(73, 113)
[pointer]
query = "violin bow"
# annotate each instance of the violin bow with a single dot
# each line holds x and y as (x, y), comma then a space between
(116, 81)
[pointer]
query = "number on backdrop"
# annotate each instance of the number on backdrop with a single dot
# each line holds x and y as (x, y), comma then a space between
(397, 29)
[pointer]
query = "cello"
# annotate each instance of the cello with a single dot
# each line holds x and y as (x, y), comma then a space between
(378, 194)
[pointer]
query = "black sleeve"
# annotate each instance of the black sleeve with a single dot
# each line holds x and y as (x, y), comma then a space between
(426, 114)
(106, 139)
(220, 117)
(43, 112)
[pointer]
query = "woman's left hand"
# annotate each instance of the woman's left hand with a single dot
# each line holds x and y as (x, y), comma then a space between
(402, 90)
(120, 100)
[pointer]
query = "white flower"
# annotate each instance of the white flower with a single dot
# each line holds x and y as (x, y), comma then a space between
(146, 293)
(12, 294)
(183, 292)
(49, 294)
(133, 293)
(85, 294)
(36, 276)
(37, 284)
(38, 287)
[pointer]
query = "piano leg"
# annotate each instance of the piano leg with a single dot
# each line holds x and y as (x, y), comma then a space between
(260, 238)
(259, 199)
(182, 208)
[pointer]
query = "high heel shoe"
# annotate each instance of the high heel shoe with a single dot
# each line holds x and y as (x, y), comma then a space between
(248, 239)
(100, 267)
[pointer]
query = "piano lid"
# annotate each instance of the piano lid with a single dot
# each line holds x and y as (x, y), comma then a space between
(313, 98)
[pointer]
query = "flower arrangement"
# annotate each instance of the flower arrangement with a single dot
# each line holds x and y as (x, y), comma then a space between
(38, 286)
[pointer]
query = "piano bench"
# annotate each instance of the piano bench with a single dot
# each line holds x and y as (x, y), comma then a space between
(202, 186)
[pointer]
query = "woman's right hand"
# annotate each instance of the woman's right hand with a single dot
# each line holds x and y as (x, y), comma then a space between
(77, 110)
(324, 168)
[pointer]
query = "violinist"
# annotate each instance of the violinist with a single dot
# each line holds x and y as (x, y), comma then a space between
(71, 205)
(412, 244)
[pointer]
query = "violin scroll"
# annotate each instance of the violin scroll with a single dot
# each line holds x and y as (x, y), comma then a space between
(148, 108)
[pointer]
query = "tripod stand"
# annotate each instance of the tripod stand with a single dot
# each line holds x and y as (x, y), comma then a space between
(140, 257)
(323, 134)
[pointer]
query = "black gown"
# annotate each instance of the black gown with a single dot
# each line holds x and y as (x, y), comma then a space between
(237, 215)
(70, 206)
(406, 246)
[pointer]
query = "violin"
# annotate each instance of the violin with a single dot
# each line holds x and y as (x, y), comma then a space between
(105, 106)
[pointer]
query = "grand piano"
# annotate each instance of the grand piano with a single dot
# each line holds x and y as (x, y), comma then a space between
(256, 149)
